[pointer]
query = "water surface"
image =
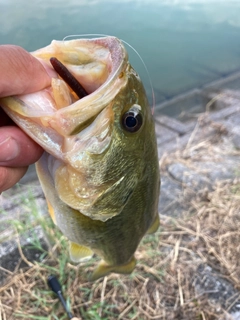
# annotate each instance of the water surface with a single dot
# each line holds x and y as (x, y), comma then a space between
(185, 44)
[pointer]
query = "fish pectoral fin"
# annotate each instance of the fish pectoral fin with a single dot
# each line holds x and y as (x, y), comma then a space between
(154, 226)
(79, 253)
(103, 269)
(51, 212)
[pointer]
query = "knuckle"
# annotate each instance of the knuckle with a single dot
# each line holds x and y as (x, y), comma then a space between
(4, 178)
(9, 176)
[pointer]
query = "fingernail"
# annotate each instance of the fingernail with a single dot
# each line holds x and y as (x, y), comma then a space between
(9, 149)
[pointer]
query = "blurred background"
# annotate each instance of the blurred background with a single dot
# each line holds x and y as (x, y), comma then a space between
(185, 44)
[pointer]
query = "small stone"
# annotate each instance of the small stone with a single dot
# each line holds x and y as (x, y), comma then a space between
(236, 140)
(188, 177)
(218, 290)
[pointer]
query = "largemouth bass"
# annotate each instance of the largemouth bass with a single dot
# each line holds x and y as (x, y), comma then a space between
(99, 171)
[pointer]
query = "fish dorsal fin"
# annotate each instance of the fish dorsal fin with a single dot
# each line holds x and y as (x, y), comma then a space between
(79, 253)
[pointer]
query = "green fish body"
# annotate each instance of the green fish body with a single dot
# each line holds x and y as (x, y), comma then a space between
(99, 171)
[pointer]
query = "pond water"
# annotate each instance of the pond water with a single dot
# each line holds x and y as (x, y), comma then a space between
(184, 43)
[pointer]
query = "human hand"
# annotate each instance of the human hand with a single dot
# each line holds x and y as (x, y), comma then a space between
(21, 73)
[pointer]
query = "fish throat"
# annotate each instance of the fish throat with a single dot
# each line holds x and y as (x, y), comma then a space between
(66, 75)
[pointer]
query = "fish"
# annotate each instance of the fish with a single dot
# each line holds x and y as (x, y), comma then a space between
(99, 170)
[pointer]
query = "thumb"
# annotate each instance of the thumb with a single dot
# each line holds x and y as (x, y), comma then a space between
(20, 72)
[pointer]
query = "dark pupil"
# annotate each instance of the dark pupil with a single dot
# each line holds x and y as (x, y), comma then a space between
(131, 121)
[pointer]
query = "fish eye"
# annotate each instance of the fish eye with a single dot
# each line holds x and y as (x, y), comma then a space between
(132, 121)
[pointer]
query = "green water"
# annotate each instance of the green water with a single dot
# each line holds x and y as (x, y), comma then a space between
(184, 43)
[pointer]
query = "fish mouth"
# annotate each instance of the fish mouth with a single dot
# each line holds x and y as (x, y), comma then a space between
(97, 66)
(56, 114)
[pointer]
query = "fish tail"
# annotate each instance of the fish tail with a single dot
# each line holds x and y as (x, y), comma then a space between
(103, 269)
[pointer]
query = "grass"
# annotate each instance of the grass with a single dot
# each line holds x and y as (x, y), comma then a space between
(167, 283)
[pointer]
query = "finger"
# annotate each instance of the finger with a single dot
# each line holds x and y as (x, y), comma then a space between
(10, 176)
(20, 72)
(16, 148)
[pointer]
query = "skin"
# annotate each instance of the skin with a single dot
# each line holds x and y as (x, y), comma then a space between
(20, 73)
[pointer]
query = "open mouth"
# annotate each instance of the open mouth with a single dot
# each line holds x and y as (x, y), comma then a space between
(89, 75)
(66, 75)
(74, 85)
(88, 80)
